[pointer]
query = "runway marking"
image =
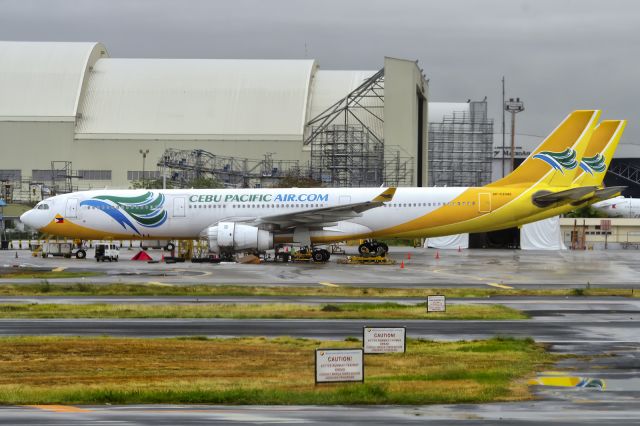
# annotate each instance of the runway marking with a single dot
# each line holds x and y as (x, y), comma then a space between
(328, 284)
(59, 269)
(60, 408)
(500, 286)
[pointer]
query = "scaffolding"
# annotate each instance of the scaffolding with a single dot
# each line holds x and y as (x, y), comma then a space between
(460, 148)
(347, 142)
(182, 167)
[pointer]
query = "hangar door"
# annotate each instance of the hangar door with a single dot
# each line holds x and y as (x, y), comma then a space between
(484, 202)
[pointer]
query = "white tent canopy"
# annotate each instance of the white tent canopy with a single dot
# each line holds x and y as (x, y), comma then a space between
(449, 242)
(542, 235)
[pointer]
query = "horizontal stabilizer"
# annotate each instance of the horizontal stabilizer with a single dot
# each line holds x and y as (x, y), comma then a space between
(608, 192)
(544, 199)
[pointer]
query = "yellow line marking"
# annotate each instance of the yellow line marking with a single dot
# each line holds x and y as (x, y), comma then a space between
(58, 269)
(328, 284)
(500, 286)
(60, 408)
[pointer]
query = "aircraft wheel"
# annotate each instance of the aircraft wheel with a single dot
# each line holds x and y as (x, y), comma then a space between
(170, 247)
(326, 254)
(364, 248)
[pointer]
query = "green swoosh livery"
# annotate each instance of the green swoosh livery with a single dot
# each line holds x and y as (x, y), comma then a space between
(596, 163)
(144, 209)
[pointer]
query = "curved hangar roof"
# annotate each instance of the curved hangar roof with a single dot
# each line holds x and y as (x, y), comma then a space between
(118, 98)
(195, 98)
(43, 80)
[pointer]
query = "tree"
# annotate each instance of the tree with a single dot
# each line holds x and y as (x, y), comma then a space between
(296, 181)
(586, 212)
(200, 183)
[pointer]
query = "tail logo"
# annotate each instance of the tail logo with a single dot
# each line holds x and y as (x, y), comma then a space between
(560, 161)
(146, 210)
(595, 163)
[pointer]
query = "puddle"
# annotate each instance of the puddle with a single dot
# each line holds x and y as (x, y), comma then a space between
(556, 379)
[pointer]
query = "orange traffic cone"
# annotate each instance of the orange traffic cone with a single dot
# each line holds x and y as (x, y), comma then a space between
(437, 254)
(402, 265)
(409, 256)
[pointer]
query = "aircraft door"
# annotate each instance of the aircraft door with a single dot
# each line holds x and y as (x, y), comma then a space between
(71, 211)
(484, 202)
(178, 207)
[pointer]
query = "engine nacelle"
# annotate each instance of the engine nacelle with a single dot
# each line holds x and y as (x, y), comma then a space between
(231, 236)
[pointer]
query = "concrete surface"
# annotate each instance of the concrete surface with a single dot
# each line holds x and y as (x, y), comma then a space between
(475, 268)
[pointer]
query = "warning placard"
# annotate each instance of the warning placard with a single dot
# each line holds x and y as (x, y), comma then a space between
(436, 303)
(381, 340)
(339, 365)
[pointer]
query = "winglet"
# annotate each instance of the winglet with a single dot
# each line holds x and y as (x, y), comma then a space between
(387, 195)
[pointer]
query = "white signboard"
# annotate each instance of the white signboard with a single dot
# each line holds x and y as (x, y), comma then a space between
(339, 365)
(436, 303)
(381, 340)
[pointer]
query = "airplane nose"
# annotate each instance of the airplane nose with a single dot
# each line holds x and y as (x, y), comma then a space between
(27, 219)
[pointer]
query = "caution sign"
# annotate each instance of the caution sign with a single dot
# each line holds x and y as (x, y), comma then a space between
(382, 340)
(436, 303)
(339, 365)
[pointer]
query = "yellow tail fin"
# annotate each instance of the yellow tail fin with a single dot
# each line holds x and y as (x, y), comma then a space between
(555, 161)
(597, 156)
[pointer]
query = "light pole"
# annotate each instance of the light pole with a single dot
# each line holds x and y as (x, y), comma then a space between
(144, 153)
(513, 107)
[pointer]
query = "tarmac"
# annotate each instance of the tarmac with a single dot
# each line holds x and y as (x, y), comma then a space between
(602, 333)
(467, 268)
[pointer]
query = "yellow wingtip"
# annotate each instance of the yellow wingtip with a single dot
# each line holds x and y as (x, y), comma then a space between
(387, 195)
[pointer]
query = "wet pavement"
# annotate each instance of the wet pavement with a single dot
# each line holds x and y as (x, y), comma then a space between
(469, 268)
(601, 336)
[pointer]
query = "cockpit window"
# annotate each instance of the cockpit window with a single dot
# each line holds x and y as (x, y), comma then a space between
(43, 207)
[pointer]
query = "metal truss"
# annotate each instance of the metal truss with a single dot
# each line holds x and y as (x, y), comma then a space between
(626, 171)
(184, 166)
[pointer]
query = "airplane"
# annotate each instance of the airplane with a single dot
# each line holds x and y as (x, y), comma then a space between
(593, 167)
(233, 220)
(619, 207)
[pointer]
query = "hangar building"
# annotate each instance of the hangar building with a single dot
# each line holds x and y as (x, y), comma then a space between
(72, 117)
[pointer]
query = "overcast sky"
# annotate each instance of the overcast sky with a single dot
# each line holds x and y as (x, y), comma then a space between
(556, 55)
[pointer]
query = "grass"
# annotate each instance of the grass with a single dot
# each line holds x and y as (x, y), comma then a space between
(244, 311)
(82, 289)
(30, 273)
(78, 370)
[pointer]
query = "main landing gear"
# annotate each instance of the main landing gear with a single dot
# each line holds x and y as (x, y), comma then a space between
(373, 248)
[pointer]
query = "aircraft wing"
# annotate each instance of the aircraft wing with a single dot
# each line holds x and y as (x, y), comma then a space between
(326, 216)
(566, 196)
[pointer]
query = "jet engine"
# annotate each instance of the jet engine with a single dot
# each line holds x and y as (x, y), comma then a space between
(231, 236)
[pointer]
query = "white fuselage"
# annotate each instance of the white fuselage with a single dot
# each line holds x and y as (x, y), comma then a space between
(189, 212)
(619, 207)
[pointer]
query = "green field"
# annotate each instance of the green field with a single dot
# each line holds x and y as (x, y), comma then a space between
(244, 311)
(87, 289)
(61, 370)
(30, 274)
